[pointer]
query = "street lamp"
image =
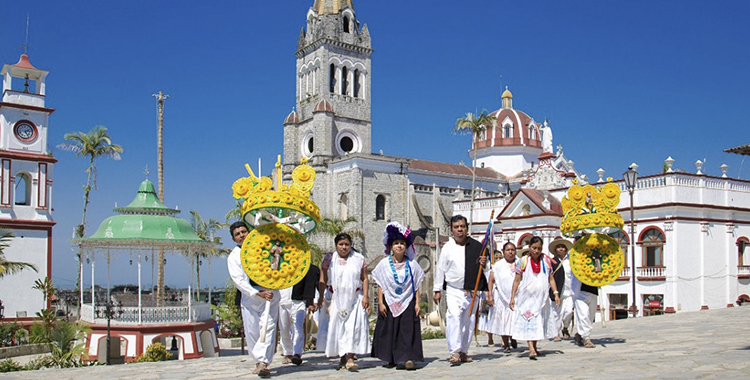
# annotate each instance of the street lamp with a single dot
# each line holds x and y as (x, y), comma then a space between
(631, 176)
(108, 311)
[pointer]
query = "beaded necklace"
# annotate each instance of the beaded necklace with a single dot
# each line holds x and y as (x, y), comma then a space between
(400, 284)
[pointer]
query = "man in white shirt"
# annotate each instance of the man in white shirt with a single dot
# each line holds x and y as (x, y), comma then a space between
(253, 306)
(457, 272)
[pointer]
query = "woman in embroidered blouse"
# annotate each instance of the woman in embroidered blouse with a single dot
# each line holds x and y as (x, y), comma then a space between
(397, 339)
(345, 274)
(532, 283)
(501, 281)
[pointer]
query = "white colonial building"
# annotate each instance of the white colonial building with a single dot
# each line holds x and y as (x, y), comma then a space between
(25, 185)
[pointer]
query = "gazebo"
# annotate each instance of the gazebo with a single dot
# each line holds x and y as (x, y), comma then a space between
(141, 229)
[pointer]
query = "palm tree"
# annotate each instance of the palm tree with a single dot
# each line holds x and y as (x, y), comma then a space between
(206, 229)
(476, 125)
(329, 227)
(46, 287)
(10, 267)
(95, 143)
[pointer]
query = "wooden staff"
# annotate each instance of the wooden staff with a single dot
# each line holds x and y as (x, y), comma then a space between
(481, 267)
(266, 315)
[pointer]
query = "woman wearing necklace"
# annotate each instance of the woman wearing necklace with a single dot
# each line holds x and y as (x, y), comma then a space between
(500, 284)
(397, 339)
(532, 283)
(345, 274)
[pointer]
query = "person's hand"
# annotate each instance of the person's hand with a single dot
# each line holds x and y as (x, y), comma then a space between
(490, 301)
(366, 304)
(436, 297)
(417, 309)
(483, 260)
(512, 304)
(312, 307)
(557, 300)
(266, 294)
(383, 310)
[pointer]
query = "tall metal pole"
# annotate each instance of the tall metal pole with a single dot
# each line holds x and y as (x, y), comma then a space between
(160, 97)
(632, 252)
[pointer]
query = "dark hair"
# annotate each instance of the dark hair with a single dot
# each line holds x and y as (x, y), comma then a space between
(456, 218)
(235, 226)
(507, 244)
(534, 240)
(341, 236)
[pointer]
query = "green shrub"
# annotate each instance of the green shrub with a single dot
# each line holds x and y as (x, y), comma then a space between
(8, 365)
(38, 363)
(229, 316)
(432, 334)
(8, 331)
(155, 353)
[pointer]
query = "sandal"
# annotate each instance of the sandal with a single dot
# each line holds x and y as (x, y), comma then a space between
(351, 365)
(465, 358)
(263, 370)
(589, 344)
(455, 359)
(296, 360)
(532, 355)
(507, 349)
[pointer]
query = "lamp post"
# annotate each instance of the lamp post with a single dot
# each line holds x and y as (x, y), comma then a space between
(2, 311)
(108, 311)
(631, 176)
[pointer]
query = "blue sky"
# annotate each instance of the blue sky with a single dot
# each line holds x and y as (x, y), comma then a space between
(620, 81)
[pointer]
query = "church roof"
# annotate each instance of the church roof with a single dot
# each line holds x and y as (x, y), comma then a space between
(454, 169)
(323, 106)
(292, 118)
(25, 63)
(331, 6)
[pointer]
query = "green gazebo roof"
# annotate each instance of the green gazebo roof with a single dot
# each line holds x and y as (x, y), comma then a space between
(145, 222)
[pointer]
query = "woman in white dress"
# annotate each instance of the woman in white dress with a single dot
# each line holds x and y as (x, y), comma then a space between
(346, 277)
(531, 289)
(501, 284)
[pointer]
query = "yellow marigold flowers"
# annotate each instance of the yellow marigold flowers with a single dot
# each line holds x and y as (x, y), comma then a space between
(241, 188)
(275, 263)
(595, 249)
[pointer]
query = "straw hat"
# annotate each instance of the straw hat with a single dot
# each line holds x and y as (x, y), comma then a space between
(522, 251)
(435, 319)
(310, 325)
(559, 240)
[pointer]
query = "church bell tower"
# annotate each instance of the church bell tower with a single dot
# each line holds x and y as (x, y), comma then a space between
(332, 109)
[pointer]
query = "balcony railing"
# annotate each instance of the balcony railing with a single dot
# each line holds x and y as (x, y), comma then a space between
(651, 271)
(743, 270)
(195, 312)
(625, 272)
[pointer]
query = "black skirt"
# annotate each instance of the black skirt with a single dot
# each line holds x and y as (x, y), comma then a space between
(399, 339)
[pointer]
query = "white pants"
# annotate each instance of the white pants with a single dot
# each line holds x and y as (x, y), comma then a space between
(253, 316)
(562, 315)
(459, 326)
(585, 311)
(291, 326)
(323, 320)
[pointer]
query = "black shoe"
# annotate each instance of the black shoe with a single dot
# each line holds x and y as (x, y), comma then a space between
(578, 339)
(513, 343)
(296, 360)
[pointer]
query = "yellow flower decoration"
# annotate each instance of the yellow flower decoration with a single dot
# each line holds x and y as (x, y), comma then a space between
(294, 261)
(242, 187)
(264, 185)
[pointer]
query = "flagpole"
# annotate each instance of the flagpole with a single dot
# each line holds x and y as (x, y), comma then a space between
(481, 267)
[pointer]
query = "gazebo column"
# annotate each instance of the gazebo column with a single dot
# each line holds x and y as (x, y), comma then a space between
(140, 308)
(80, 280)
(93, 293)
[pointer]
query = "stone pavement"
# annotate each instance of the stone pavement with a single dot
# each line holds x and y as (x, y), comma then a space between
(707, 344)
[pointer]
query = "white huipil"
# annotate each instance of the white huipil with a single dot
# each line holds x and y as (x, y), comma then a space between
(348, 328)
(253, 311)
(501, 316)
(530, 299)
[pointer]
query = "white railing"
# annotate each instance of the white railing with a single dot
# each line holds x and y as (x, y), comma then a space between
(479, 204)
(743, 269)
(625, 272)
(196, 312)
(651, 271)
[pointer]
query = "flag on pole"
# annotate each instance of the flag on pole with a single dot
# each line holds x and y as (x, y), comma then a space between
(488, 242)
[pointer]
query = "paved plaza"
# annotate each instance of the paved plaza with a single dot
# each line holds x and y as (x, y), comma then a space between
(707, 344)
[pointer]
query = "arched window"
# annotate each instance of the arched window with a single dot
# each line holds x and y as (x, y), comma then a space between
(380, 207)
(743, 254)
(524, 240)
(532, 133)
(23, 189)
(344, 81)
(624, 242)
(356, 83)
(652, 241)
(332, 81)
(507, 131)
(346, 24)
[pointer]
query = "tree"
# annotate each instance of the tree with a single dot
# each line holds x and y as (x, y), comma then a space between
(476, 125)
(10, 267)
(206, 230)
(46, 287)
(330, 227)
(95, 143)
